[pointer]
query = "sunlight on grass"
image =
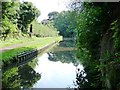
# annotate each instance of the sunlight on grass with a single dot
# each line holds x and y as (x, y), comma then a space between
(38, 43)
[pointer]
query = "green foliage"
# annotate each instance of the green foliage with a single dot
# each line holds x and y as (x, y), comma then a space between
(62, 22)
(53, 15)
(16, 17)
(93, 24)
(89, 33)
(9, 20)
(27, 14)
(116, 40)
(7, 8)
(8, 26)
(90, 24)
(115, 29)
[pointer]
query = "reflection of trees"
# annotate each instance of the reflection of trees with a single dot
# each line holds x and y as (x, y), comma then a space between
(81, 80)
(67, 43)
(64, 52)
(28, 76)
(33, 63)
(64, 57)
(10, 79)
(23, 75)
(89, 81)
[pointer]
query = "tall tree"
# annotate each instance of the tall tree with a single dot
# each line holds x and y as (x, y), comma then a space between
(52, 15)
(96, 42)
(63, 24)
(27, 14)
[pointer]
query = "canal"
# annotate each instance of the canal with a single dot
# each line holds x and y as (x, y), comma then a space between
(54, 68)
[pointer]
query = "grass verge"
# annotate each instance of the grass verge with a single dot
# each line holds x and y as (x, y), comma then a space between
(19, 40)
(38, 43)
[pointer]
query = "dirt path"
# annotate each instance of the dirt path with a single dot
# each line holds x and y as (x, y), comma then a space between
(14, 46)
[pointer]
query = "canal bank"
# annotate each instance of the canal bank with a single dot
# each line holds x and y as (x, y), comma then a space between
(22, 53)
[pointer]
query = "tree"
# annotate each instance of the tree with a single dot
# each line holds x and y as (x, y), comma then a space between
(27, 14)
(96, 41)
(63, 24)
(17, 17)
(53, 15)
(9, 18)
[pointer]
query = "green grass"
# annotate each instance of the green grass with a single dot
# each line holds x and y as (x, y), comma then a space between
(13, 41)
(38, 43)
(44, 30)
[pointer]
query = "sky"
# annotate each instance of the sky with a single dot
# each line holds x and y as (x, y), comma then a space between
(46, 6)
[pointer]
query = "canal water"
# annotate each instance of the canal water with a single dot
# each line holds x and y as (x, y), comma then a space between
(55, 68)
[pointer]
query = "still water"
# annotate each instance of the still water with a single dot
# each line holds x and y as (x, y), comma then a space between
(54, 74)
(55, 68)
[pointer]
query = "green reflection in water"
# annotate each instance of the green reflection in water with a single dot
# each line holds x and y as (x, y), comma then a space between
(64, 52)
(22, 76)
(28, 76)
(10, 78)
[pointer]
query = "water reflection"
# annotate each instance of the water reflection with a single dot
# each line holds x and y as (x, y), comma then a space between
(88, 79)
(54, 69)
(58, 67)
(55, 74)
(64, 52)
(10, 79)
(28, 76)
(22, 76)
(81, 80)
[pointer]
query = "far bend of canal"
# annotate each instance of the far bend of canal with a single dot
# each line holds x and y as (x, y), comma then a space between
(55, 68)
